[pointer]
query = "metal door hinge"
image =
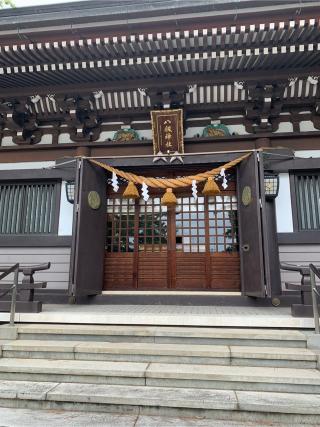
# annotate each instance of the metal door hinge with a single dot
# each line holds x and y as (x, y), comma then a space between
(260, 202)
(77, 207)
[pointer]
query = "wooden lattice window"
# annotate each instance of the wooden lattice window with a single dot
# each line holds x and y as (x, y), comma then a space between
(190, 225)
(28, 208)
(207, 224)
(223, 224)
(307, 188)
(120, 225)
(153, 226)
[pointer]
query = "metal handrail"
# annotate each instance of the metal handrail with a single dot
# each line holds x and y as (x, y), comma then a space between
(5, 272)
(314, 293)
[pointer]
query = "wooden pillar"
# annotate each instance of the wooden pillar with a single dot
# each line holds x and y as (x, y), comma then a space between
(262, 143)
(273, 249)
(83, 151)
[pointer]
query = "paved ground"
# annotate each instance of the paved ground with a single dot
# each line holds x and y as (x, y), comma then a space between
(33, 418)
(214, 316)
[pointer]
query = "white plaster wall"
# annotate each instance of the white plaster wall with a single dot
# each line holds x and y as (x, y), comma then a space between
(284, 127)
(307, 153)
(7, 141)
(46, 139)
(26, 165)
(105, 135)
(191, 132)
(283, 205)
(145, 133)
(237, 129)
(66, 213)
(307, 126)
(64, 138)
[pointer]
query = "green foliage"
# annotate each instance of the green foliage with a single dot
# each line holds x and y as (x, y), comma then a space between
(6, 3)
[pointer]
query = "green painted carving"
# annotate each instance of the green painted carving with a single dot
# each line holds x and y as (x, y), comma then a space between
(215, 131)
(124, 135)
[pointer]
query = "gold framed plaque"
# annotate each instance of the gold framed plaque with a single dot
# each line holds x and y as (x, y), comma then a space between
(167, 131)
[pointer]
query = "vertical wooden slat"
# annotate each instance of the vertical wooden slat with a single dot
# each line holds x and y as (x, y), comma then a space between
(308, 201)
(27, 208)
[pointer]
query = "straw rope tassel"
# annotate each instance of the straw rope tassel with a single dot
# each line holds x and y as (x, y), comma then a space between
(169, 199)
(211, 188)
(131, 192)
(167, 183)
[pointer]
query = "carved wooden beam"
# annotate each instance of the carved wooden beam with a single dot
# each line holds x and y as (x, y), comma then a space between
(264, 105)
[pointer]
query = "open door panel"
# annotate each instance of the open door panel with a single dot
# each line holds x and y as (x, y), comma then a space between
(250, 228)
(90, 231)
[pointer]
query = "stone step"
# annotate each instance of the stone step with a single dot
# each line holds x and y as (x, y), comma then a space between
(184, 402)
(165, 353)
(246, 378)
(182, 335)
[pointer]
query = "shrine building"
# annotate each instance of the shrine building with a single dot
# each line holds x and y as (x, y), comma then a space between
(168, 147)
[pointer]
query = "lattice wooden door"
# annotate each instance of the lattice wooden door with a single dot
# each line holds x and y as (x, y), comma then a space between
(193, 246)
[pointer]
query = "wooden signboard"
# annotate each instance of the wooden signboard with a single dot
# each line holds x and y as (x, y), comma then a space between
(167, 130)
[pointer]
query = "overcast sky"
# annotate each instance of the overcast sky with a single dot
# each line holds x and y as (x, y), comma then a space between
(20, 3)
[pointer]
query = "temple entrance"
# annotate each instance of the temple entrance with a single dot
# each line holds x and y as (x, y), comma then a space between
(192, 246)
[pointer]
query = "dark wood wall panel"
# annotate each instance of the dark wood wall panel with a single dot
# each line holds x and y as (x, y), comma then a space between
(190, 271)
(118, 271)
(225, 271)
(152, 270)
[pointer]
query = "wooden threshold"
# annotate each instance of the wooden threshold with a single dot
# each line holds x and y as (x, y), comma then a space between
(171, 293)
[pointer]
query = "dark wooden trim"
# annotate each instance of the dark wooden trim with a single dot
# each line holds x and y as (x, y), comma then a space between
(299, 238)
(41, 240)
(37, 174)
(157, 82)
(56, 206)
(48, 21)
(294, 207)
(291, 141)
(295, 164)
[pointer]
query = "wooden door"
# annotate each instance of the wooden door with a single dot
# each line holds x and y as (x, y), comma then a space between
(137, 244)
(153, 259)
(207, 255)
(250, 228)
(193, 246)
(89, 232)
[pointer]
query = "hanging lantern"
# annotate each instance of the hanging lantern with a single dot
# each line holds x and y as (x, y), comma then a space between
(169, 199)
(211, 187)
(271, 185)
(131, 192)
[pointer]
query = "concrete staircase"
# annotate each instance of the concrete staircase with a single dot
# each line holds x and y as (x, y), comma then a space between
(235, 374)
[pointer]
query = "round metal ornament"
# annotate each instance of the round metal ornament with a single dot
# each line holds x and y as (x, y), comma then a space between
(94, 200)
(246, 196)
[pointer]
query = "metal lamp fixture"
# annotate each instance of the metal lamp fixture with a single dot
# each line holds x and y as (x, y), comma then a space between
(70, 186)
(271, 185)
